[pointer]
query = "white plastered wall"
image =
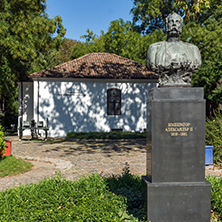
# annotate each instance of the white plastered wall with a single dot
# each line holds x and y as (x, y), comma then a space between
(74, 105)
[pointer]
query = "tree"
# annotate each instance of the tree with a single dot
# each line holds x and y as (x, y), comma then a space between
(202, 27)
(121, 39)
(65, 51)
(150, 15)
(209, 40)
(93, 43)
(26, 40)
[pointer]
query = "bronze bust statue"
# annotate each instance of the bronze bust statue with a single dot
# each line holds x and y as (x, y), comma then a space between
(173, 60)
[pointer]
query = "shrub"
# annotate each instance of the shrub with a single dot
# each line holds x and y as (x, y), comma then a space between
(2, 142)
(57, 199)
(92, 198)
(129, 186)
(216, 196)
(214, 136)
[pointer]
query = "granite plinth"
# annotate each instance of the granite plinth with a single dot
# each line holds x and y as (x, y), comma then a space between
(173, 202)
(175, 184)
(176, 135)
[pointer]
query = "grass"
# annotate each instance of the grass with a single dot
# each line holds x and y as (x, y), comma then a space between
(10, 166)
(106, 135)
(56, 199)
(93, 198)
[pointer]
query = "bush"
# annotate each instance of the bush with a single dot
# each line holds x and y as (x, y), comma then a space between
(2, 142)
(129, 186)
(92, 198)
(216, 196)
(57, 199)
(106, 135)
(214, 136)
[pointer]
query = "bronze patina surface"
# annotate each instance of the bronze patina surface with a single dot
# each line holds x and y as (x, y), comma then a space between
(173, 60)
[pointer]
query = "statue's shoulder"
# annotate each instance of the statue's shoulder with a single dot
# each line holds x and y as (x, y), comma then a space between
(191, 46)
(156, 45)
(194, 53)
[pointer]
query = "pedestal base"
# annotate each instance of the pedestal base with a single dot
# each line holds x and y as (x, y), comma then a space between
(173, 202)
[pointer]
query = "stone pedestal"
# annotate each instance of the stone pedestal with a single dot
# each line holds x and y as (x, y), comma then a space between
(176, 186)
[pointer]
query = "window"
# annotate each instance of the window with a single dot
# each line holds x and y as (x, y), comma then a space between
(113, 102)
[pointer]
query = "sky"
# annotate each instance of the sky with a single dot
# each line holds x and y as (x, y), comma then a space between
(95, 15)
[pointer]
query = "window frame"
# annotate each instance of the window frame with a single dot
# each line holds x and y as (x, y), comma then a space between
(114, 104)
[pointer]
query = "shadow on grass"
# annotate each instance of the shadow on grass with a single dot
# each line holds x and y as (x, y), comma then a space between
(130, 186)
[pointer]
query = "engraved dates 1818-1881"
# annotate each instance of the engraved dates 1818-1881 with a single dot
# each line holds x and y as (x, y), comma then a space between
(179, 129)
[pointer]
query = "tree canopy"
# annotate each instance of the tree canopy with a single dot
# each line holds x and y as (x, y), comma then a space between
(65, 51)
(121, 39)
(209, 40)
(150, 15)
(27, 37)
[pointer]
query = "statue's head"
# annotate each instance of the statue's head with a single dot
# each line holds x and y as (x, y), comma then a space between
(174, 24)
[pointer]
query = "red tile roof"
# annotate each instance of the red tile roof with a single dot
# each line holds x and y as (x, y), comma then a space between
(98, 65)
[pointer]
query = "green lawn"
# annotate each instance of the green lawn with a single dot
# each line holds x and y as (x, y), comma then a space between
(10, 166)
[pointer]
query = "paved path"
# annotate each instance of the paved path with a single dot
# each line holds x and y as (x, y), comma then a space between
(75, 159)
(78, 158)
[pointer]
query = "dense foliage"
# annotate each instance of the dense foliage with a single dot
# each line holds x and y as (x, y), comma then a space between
(209, 40)
(2, 142)
(150, 15)
(214, 136)
(28, 42)
(65, 51)
(129, 186)
(93, 198)
(57, 199)
(216, 194)
(121, 39)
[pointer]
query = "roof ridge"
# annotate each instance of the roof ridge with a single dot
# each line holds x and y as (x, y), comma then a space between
(57, 66)
(111, 53)
(98, 65)
(82, 57)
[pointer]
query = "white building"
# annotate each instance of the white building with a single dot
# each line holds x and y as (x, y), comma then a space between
(96, 92)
